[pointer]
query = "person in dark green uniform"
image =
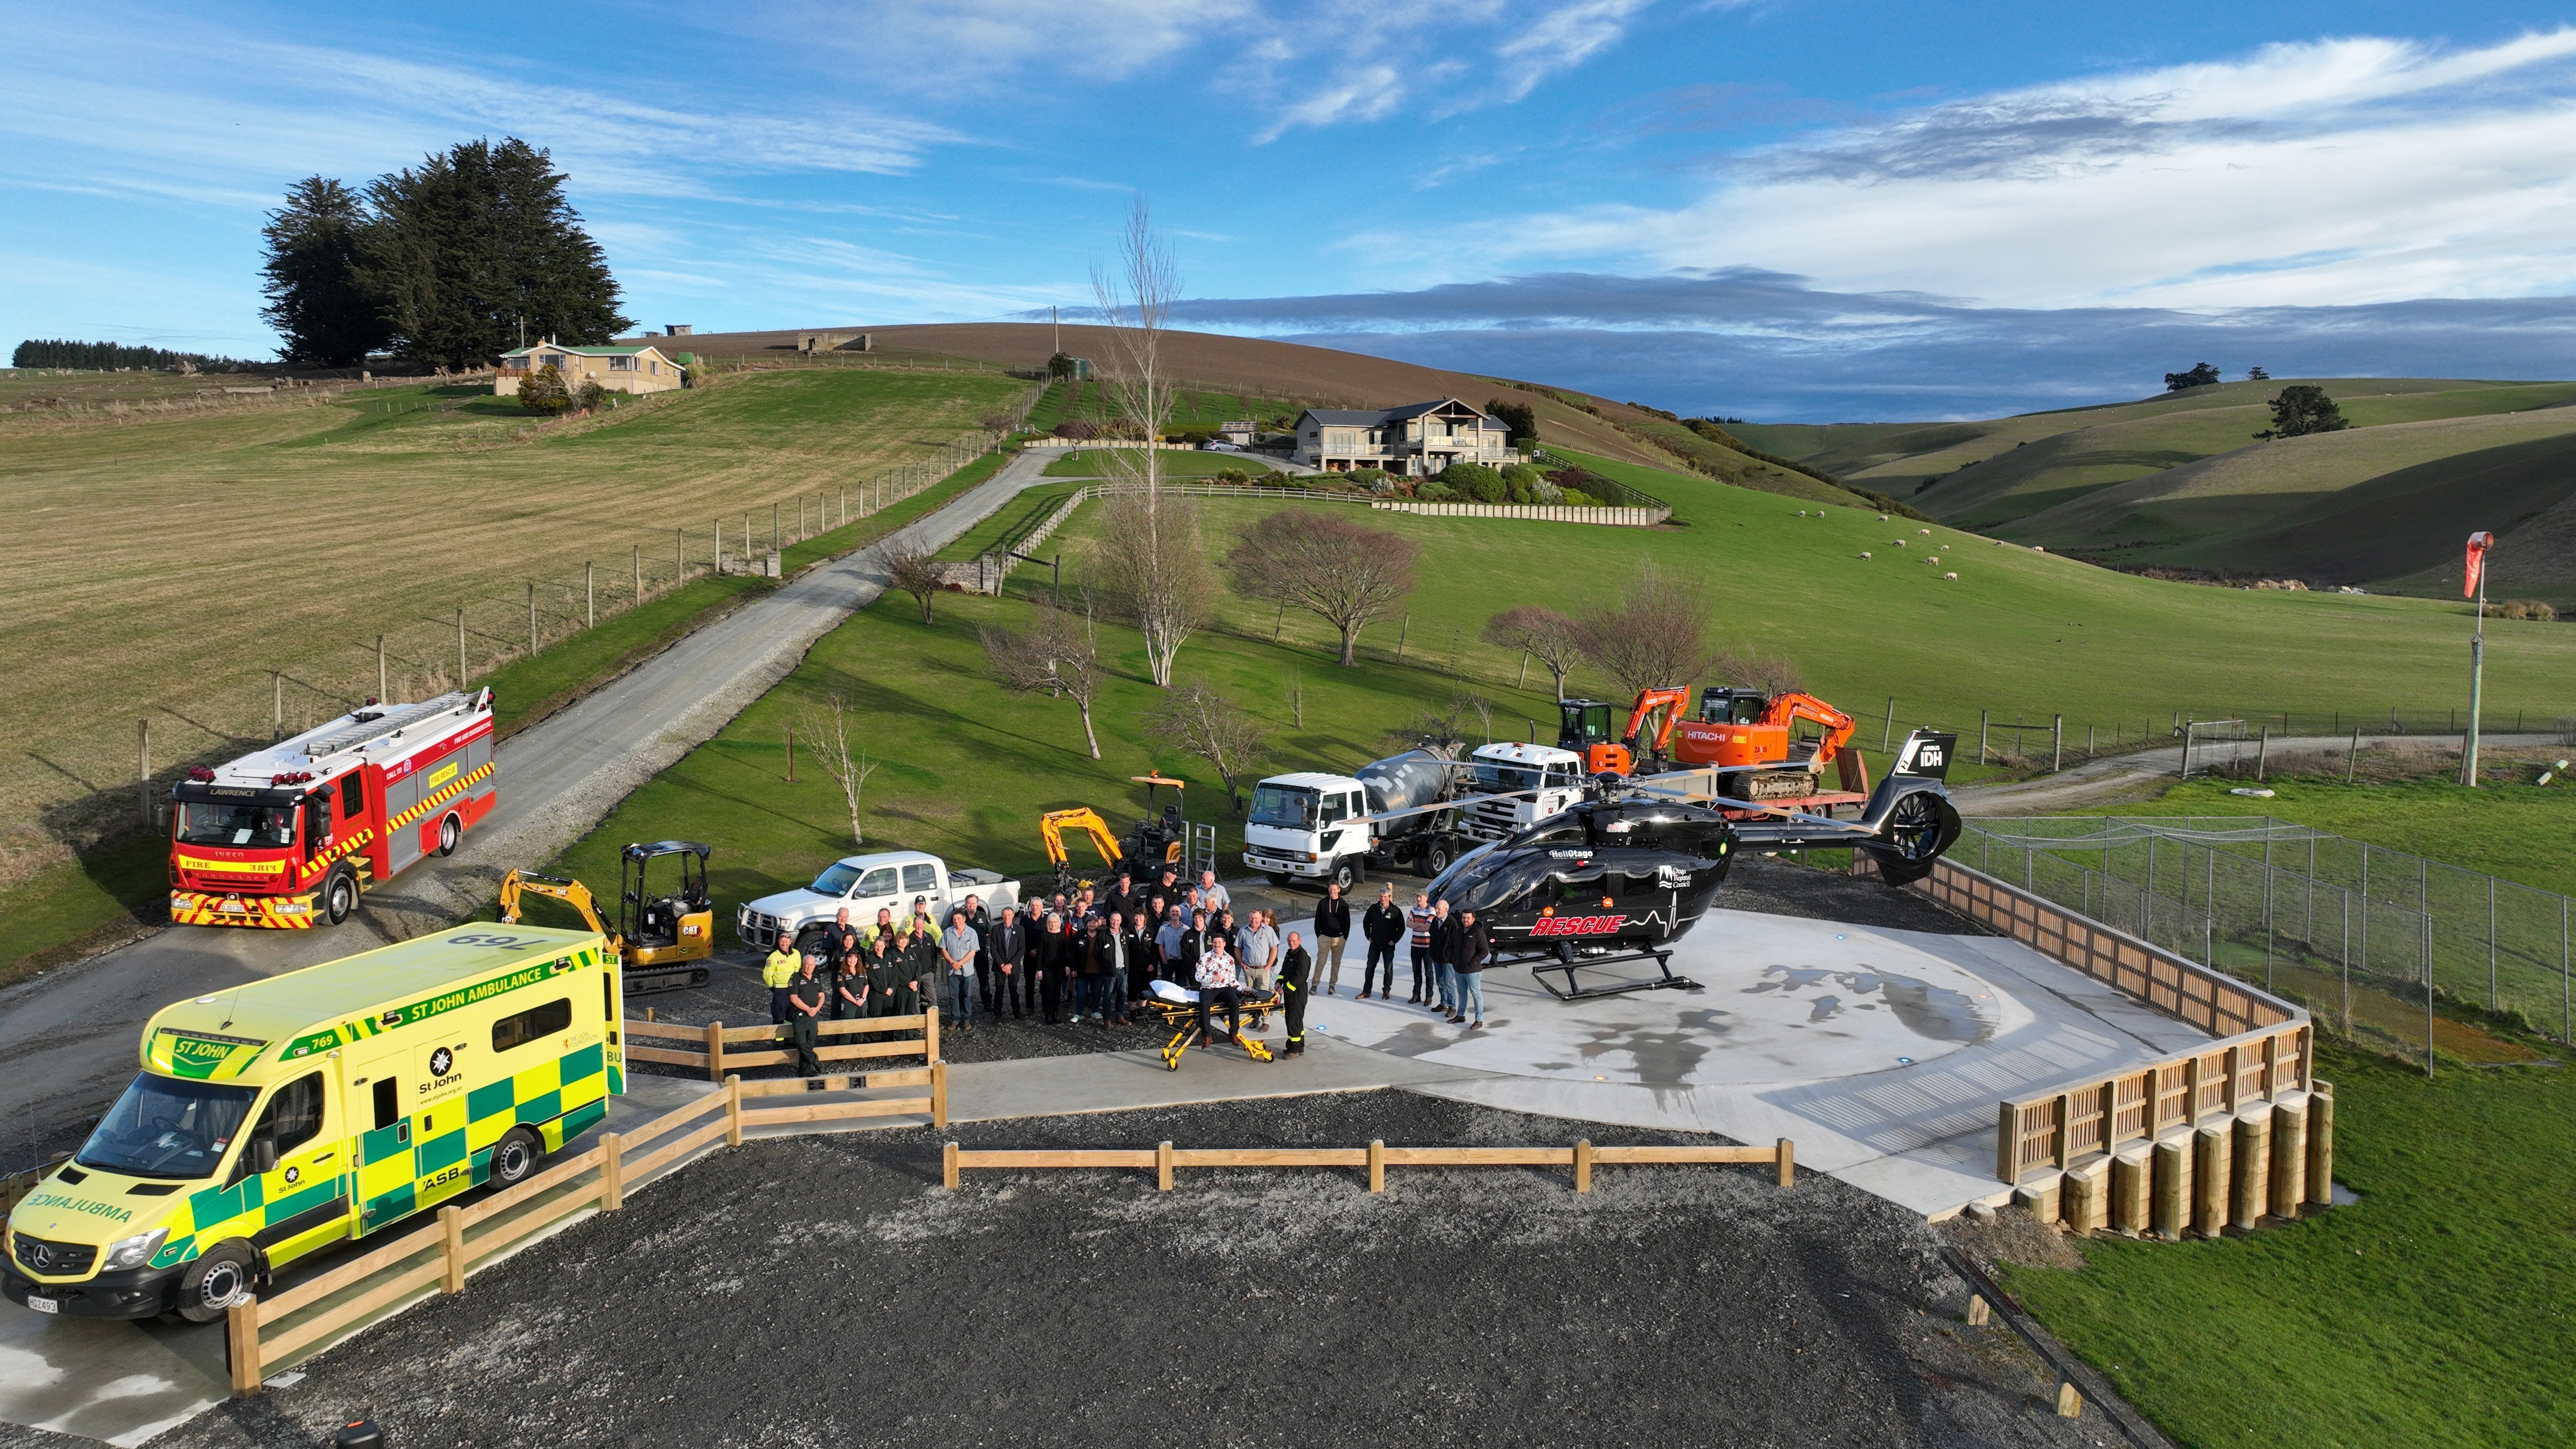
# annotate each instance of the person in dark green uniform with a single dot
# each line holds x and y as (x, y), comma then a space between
(806, 1001)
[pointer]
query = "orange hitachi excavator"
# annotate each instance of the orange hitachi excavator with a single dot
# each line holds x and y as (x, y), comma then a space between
(1795, 735)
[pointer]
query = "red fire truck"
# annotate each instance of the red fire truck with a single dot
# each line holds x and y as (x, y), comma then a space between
(294, 832)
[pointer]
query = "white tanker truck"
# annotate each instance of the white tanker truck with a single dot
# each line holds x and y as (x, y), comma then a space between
(1324, 828)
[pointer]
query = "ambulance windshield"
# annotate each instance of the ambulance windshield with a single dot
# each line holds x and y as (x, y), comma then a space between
(165, 1127)
(248, 827)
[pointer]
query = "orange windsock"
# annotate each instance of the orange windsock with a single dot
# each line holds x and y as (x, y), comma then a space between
(2479, 543)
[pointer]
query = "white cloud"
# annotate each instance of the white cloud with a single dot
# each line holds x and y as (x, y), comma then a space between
(924, 45)
(2338, 171)
(1351, 61)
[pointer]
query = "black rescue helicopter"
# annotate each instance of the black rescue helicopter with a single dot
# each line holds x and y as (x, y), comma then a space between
(1624, 875)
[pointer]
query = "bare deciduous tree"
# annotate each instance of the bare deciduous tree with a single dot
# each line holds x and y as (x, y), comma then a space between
(1059, 652)
(917, 574)
(827, 740)
(1154, 571)
(1153, 565)
(1344, 572)
(1197, 719)
(1750, 666)
(1543, 634)
(1476, 704)
(1654, 636)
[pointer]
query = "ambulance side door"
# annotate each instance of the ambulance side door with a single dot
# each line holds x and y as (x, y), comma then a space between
(437, 1090)
(380, 1102)
(304, 1200)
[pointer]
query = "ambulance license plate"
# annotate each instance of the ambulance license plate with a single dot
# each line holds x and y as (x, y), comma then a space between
(43, 1305)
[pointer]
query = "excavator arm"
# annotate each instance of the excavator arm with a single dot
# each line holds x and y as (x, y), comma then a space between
(570, 892)
(1672, 702)
(1053, 825)
(1787, 709)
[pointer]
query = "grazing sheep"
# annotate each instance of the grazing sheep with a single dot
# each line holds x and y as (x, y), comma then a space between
(1925, 531)
(1882, 518)
(1954, 578)
(1864, 553)
(1900, 543)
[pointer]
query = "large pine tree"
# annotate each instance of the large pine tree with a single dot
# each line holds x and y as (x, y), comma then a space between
(474, 244)
(315, 298)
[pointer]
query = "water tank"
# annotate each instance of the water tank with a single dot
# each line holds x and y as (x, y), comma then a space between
(1404, 782)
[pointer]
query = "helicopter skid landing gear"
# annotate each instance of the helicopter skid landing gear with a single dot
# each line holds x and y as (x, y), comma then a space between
(1573, 966)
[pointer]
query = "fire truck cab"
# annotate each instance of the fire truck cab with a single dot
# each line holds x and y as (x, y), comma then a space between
(290, 834)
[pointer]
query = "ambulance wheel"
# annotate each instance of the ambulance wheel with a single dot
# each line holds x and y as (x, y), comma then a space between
(339, 895)
(514, 1158)
(450, 831)
(215, 1281)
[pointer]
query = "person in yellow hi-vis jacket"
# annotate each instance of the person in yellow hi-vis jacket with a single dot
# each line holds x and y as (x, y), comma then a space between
(778, 973)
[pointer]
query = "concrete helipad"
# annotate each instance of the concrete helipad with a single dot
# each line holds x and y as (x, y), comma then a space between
(1882, 1052)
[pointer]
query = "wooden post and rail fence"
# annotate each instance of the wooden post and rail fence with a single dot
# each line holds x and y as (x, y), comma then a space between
(710, 1048)
(2204, 1141)
(265, 1330)
(1164, 1159)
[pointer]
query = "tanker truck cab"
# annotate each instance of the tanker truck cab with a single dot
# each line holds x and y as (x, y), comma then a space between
(1308, 826)
(273, 1120)
(1523, 785)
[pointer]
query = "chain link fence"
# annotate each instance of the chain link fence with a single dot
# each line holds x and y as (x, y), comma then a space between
(2376, 942)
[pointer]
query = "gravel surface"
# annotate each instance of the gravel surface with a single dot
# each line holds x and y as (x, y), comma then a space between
(826, 1290)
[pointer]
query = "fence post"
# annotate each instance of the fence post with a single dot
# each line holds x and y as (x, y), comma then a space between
(2262, 753)
(1981, 737)
(1888, 731)
(1788, 1163)
(639, 573)
(715, 1051)
(241, 1344)
(383, 694)
(939, 1094)
(2008, 1142)
(2057, 744)
(1163, 1169)
(1582, 1165)
(733, 1111)
(532, 618)
(948, 1166)
(451, 1249)
(143, 767)
(612, 1171)
(930, 1036)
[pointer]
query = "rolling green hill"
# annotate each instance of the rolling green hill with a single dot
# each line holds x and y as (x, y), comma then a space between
(2178, 481)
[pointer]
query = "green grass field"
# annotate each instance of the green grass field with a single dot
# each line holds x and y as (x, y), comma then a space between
(2431, 1313)
(967, 767)
(2019, 631)
(1177, 463)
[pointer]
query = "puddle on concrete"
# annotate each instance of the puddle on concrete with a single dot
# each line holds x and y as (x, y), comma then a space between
(1662, 1054)
(1934, 1013)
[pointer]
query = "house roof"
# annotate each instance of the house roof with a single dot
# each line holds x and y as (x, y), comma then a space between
(1379, 417)
(581, 351)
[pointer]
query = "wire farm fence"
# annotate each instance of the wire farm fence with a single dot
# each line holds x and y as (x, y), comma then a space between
(2237, 742)
(421, 653)
(2374, 941)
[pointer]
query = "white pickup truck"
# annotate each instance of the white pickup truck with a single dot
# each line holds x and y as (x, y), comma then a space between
(863, 883)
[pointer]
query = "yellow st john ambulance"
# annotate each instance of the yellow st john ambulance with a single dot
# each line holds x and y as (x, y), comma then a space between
(322, 1105)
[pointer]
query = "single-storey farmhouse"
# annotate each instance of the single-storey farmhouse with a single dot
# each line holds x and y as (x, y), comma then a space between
(618, 369)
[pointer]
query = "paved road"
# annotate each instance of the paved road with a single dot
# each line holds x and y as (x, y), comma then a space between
(69, 1035)
(2098, 782)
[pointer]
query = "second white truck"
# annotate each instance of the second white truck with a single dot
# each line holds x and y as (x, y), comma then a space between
(889, 879)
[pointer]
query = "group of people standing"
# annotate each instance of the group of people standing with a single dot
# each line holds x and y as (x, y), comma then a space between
(1092, 955)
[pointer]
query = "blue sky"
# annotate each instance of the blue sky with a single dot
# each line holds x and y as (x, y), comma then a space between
(1815, 210)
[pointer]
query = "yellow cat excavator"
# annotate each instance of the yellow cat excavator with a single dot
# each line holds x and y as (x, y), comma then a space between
(657, 937)
(1159, 839)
